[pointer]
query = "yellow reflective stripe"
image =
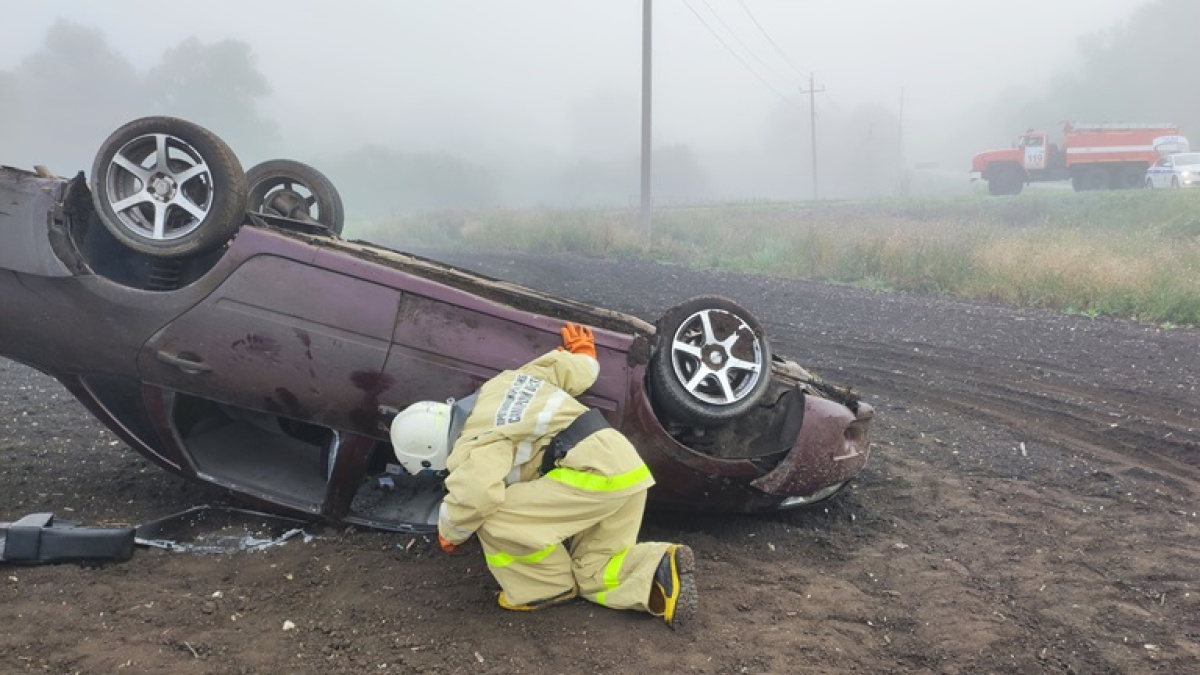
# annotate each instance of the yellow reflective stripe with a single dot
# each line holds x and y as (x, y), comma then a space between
(612, 575)
(596, 483)
(503, 559)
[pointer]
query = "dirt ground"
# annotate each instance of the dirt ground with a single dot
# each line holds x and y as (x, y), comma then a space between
(1030, 506)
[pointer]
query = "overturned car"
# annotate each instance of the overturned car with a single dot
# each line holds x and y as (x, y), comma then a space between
(216, 321)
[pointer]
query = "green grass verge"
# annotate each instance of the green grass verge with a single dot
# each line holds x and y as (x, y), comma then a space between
(1132, 254)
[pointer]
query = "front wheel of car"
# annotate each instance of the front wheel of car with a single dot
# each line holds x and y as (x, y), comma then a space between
(168, 188)
(1149, 184)
(291, 189)
(712, 362)
(1174, 182)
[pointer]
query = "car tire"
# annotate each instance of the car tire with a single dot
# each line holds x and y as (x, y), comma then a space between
(1149, 184)
(168, 188)
(1174, 182)
(711, 364)
(291, 189)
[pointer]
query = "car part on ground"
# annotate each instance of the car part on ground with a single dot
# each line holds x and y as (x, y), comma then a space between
(294, 190)
(219, 529)
(37, 539)
(168, 188)
(711, 361)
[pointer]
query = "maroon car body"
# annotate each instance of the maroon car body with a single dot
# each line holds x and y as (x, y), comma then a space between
(261, 366)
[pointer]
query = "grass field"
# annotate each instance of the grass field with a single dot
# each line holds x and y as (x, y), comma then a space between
(1122, 253)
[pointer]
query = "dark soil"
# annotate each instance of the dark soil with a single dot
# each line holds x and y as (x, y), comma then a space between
(1030, 507)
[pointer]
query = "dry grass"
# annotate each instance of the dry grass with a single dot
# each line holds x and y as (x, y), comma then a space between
(1132, 254)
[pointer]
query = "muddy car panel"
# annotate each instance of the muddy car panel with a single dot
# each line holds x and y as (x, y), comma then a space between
(260, 367)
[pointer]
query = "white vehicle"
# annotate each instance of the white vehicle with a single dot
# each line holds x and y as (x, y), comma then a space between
(1175, 171)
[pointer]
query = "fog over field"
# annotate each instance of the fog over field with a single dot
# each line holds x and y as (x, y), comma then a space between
(470, 104)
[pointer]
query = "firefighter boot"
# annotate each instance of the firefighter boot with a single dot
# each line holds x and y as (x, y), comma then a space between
(673, 594)
(538, 604)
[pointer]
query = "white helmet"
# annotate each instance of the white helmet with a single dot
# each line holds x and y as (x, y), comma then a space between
(421, 436)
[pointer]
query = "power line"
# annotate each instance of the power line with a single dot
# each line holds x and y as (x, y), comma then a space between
(736, 55)
(764, 32)
(741, 42)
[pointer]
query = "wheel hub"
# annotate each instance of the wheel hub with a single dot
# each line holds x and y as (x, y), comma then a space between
(714, 356)
(162, 187)
(289, 204)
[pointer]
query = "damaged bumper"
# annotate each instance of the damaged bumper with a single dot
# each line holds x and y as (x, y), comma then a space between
(832, 447)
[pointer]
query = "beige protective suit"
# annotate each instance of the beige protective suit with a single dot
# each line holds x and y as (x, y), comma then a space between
(594, 499)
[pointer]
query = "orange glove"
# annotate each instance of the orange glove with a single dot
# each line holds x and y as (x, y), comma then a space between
(447, 546)
(579, 339)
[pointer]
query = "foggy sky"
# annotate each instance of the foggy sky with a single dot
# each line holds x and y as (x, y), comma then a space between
(491, 75)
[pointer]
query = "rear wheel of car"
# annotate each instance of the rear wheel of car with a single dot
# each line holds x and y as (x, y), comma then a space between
(1174, 182)
(1149, 184)
(712, 362)
(168, 188)
(291, 189)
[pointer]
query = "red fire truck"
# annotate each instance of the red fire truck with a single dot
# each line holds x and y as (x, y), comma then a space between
(1093, 156)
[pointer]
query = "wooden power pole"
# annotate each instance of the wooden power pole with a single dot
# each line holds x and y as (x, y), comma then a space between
(812, 117)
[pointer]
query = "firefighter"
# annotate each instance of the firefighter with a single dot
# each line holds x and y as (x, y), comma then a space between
(554, 494)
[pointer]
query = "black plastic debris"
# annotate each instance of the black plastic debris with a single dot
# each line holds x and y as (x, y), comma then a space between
(37, 539)
(219, 529)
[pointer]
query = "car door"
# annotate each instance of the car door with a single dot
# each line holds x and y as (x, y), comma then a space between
(1035, 153)
(1160, 174)
(448, 342)
(283, 337)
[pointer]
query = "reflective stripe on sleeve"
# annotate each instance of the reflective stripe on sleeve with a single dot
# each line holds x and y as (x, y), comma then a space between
(525, 448)
(522, 455)
(502, 559)
(612, 575)
(597, 483)
(548, 412)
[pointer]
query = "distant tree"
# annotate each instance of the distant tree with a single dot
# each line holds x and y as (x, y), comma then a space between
(73, 91)
(216, 85)
(859, 152)
(586, 182)
(678, 176)
(1139, 71)
(375, 181)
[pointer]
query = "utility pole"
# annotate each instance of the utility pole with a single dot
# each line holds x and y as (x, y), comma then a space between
(812, 116)
(903, 161)
(647, 199)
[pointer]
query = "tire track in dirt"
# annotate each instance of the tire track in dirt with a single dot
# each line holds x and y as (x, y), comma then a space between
(947, 355)
(1116, 425)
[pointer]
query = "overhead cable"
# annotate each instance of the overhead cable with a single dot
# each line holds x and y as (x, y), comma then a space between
(766, 35)
(736, 55)
(742, 42)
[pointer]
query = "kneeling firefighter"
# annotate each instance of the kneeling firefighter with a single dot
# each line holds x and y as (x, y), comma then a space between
(554, 493)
